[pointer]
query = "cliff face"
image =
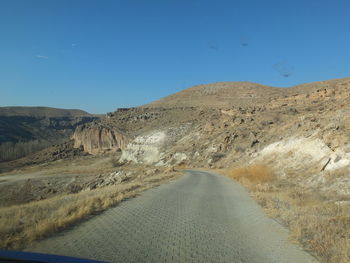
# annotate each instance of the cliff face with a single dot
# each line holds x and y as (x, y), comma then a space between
(143, 134)
(97, 139)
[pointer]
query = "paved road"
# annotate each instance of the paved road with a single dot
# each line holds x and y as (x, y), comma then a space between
(201, 217)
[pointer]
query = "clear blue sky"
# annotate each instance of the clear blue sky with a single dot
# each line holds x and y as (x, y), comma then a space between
(100, 55)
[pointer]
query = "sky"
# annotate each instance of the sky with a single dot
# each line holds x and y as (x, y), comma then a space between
(104, 54)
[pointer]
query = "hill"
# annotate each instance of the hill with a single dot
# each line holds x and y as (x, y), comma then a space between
(289, 146)
(220, 94)
(24, 130)
(205, 105)
(237, 94)
(39, 112)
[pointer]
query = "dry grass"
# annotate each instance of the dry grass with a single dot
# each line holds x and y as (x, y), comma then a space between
(253, 173)
(22, 224)
(322, 226)
(80, 165)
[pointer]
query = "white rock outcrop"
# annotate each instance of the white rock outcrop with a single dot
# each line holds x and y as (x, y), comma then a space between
(145, 149)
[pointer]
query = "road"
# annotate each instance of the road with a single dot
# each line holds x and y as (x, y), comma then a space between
(201, 217)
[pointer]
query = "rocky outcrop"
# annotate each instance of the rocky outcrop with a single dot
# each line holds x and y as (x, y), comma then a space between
(145, 149)
(97, 139)
(211, 127)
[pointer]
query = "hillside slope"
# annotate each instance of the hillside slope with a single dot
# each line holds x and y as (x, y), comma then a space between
(236, 94)
(221, 119)
(220, 94)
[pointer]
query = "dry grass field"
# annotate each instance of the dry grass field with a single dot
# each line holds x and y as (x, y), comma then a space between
(24, 222)
(253, 174)
(321, 226)
(21, 224)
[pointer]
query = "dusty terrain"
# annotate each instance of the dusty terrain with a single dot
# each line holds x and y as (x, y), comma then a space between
(301, 134)
(68, 176)
(37, 201)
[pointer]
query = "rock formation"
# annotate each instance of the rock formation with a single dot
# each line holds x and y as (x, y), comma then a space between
(216, 124)
(98, 139)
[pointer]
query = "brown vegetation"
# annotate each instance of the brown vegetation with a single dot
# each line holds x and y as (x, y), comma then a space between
(11, 150)
(253, 173)
(320, 225)
(22, 224)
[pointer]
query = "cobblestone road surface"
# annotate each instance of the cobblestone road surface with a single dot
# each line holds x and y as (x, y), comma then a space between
(201, 217)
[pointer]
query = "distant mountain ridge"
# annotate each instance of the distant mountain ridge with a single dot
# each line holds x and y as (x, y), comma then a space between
(24, 130)
(41, 112)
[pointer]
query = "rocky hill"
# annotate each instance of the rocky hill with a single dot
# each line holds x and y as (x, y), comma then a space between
(221, 119)
(224, 124)
(220, 95)
(236, 94)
